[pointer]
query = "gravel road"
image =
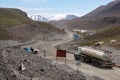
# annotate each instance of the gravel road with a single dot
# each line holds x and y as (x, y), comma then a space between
(107, 74)
(37, 68)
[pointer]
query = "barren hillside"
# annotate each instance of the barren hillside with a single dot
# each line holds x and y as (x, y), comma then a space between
(14, 24)
(101, 17)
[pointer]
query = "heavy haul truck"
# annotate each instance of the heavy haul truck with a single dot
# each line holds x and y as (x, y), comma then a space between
(97, 57)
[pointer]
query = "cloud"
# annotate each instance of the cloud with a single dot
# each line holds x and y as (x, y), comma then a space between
(46, 12)
(35, 9)
(31, 11)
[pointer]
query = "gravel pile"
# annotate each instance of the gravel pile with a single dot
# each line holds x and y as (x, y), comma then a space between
(37, 68)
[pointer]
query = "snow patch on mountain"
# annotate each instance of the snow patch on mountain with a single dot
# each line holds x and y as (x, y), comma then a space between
(58, 17)
(38, 18)
(63, 17)
(55, 17)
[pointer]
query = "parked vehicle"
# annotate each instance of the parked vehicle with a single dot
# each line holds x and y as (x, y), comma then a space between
(32, 50)
(97, 57)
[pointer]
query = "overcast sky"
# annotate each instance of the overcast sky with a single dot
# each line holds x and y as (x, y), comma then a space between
(52, 7)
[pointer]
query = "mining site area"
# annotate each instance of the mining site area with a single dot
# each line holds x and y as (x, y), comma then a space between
(40, 67)
(41, 40)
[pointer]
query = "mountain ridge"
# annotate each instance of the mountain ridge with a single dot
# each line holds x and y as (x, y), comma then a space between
(96, 12)
(99, 18)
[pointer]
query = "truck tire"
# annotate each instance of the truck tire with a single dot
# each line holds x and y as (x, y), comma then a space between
(80, 58)
(93, 62)
(100, 64)
(96, 64)
(83, 59)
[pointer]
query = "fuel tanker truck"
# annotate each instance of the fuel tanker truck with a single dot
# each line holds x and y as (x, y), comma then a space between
(97, 57)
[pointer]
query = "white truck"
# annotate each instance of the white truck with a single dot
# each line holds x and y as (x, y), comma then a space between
(97, 57)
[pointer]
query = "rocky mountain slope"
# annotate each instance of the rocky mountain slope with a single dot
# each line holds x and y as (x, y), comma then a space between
(101, 17)
(105, 20)
(59, 23)
(14, 24)
(106, 10)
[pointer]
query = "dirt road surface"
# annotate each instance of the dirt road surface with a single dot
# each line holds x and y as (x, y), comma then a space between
(107, 74)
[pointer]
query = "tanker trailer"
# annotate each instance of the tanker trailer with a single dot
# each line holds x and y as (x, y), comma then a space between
(97, 57)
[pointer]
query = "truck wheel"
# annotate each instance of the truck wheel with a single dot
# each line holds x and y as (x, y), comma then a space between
(100, 65)
(87, 60)
(93, 62)
(83, 59)
(96, 64)
(110, 67)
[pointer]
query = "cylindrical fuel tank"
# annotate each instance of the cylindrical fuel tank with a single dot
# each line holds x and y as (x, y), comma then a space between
(99, 54)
